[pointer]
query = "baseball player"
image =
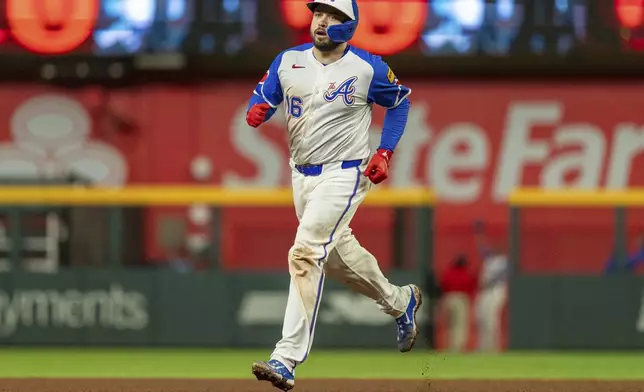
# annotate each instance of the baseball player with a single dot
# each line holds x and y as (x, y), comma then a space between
(327, 89)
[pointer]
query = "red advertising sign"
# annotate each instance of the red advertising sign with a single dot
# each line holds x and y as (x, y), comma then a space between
(472, 143)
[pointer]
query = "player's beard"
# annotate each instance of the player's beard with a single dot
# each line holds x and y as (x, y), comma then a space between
(324, 44)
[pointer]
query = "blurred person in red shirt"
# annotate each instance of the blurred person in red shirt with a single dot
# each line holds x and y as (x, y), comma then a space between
(459, 285)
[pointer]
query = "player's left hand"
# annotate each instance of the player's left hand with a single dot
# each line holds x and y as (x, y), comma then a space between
(378, 168)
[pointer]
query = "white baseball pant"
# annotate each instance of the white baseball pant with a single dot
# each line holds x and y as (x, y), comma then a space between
(489, 307)
(324, 244)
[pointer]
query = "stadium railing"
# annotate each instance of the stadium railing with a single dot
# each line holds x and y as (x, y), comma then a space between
(617, 200)
(17, 199)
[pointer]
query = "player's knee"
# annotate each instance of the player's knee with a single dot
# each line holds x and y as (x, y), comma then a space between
(301, 260)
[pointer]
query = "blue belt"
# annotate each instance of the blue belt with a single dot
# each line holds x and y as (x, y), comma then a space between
(316, 170)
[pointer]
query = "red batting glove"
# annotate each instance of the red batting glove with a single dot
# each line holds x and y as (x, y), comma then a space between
(378, 168)
(257, 114)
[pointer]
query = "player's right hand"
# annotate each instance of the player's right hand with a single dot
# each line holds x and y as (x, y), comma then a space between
(257, 114)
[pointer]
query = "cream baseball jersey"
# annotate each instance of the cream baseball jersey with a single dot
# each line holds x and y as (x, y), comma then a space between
(328, 107)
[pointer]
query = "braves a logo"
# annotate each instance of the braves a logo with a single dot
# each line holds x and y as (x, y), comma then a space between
(346, 89)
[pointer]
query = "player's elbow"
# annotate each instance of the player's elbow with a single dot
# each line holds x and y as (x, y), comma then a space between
(405, 104)
(402, 106)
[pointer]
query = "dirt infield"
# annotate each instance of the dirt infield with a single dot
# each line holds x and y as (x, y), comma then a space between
(120, 385)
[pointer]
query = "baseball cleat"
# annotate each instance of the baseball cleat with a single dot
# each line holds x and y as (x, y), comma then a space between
(407, 325)
(276, 373)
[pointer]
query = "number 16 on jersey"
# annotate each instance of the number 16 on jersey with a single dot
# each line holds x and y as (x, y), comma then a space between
(294, 106)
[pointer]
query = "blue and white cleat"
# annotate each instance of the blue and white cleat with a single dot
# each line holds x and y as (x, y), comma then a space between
(407, 325)
(276, 373)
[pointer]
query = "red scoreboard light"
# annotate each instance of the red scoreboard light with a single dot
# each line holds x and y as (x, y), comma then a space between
(51, 27)
(630, 14)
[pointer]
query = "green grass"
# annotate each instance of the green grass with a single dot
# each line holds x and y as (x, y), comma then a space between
(154, 363)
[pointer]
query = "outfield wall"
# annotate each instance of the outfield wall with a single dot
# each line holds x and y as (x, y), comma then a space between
(568, 312)
(165, 308)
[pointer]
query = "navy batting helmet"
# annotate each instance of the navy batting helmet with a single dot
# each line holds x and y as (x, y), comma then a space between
(345, 31)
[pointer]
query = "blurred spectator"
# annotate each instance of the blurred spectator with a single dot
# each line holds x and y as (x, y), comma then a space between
(492, 295)
(458, 285)
(634, 260)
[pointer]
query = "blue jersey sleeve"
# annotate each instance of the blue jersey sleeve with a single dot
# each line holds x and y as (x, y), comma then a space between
(385, 88)
(269, 89)
(387, 91)
(394, 125)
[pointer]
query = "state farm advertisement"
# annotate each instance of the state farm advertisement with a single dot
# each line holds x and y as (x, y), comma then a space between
(471, 142)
